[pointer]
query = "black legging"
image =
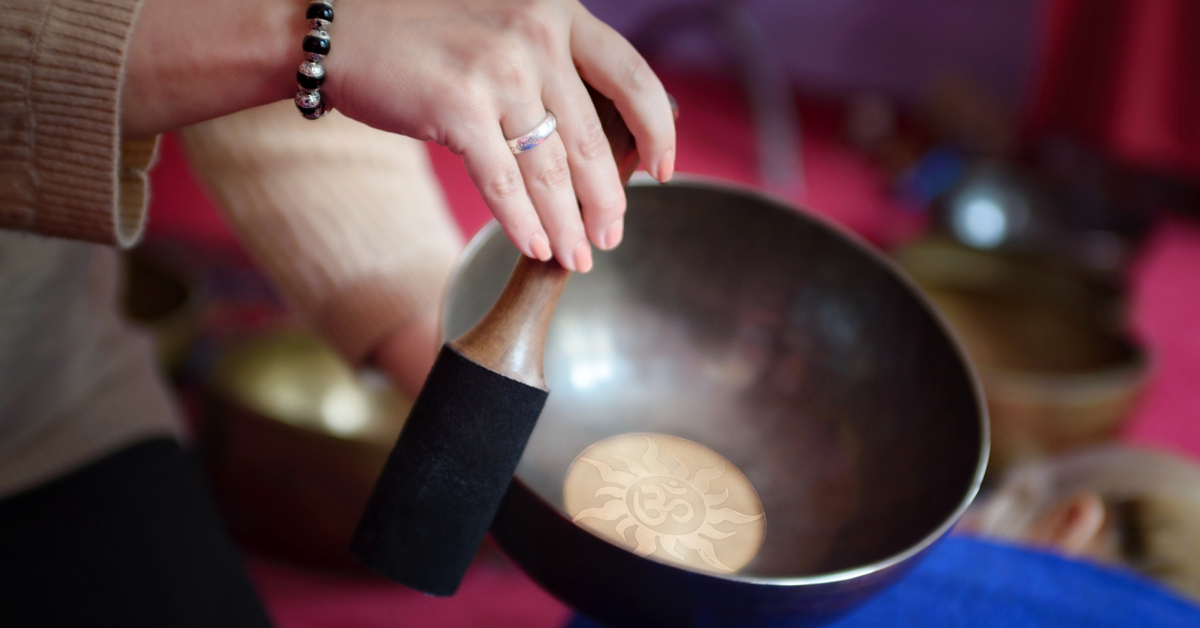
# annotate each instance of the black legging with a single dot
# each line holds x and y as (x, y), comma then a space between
(129, 541)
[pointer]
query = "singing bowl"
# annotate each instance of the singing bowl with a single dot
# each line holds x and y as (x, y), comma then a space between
(783, 343)
(293, 440)
(1057, 366)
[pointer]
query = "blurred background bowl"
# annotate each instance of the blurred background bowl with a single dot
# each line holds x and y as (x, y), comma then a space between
(293, 440)
(159, 296)
(790, 348)
(1058, 369)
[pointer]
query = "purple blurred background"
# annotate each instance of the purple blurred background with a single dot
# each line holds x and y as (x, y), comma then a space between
(838, 47)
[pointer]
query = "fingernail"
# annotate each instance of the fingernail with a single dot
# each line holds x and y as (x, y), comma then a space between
(582, 257)
(666, 166)
(612, 236)
(540, 246)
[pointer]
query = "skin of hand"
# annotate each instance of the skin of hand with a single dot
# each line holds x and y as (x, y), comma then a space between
(466, 74)
(406, 355)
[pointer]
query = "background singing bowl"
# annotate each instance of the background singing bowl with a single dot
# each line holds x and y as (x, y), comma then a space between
(787, 346)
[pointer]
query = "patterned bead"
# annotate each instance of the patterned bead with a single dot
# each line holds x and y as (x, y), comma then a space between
(319, 11)
(308, 100)
(310, 76)
(318, 24)
(315, 112)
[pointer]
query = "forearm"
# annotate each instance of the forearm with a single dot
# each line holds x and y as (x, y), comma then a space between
(358, 240)
(193, 61)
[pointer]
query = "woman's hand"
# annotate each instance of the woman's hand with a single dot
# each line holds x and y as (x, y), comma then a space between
(407, 354)
(464, 73)
(471, 73)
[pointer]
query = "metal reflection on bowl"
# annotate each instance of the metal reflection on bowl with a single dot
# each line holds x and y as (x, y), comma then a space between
(293, 441)
(292, 377)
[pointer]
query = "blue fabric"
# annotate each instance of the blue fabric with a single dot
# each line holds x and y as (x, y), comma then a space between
(966, 582)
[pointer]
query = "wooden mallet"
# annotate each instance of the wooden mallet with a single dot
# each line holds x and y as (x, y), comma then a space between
(445, 478)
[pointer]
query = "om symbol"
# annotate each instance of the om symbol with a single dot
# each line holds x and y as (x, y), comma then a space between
(655, 500)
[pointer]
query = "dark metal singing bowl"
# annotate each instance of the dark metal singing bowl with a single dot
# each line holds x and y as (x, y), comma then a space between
(783, 343)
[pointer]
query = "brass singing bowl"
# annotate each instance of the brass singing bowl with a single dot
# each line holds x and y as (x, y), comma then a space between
(293, 440)
(784, 344)
(1058, 368)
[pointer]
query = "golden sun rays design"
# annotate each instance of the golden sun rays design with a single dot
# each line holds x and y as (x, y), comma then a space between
(670, 510)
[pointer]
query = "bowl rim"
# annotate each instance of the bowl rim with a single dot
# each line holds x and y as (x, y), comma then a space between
(703, 182)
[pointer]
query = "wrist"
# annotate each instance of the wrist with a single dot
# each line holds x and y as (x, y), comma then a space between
(194, 61)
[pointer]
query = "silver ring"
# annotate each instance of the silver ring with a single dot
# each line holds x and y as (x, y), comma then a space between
(543, 130)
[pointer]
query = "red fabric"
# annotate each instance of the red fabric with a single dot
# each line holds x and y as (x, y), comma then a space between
(715, 139)
(1124, 76)
(492, 595)
(1165, 302)
(180, 209)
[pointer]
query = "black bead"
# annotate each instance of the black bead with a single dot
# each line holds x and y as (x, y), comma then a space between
(318, 45)
(319, 11)
(309, 82)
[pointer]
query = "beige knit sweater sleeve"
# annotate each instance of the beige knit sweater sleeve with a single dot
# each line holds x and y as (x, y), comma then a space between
(63, 168)
(349, 221)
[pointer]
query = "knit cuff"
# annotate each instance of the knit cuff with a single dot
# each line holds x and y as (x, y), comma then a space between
(83, 182)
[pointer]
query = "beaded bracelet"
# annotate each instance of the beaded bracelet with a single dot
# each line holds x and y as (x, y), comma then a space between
(311, 74)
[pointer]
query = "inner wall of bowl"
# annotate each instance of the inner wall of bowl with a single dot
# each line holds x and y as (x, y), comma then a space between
(772, 339)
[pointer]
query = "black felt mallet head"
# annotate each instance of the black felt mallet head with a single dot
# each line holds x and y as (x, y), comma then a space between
(458, 450)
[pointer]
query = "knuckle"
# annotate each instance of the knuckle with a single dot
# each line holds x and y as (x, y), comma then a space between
(636, 73)
(555, 171)
(506, 184)
(506, 65)
(460, 100)
(592, 144)
(533, 21)
(611, 205)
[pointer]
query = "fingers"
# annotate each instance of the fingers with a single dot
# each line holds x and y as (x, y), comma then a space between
(546, 172)
(495, 172)
(593, 171)
(534, 194)
(610, 64)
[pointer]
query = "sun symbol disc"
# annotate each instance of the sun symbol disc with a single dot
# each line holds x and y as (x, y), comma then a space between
(639, 492)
